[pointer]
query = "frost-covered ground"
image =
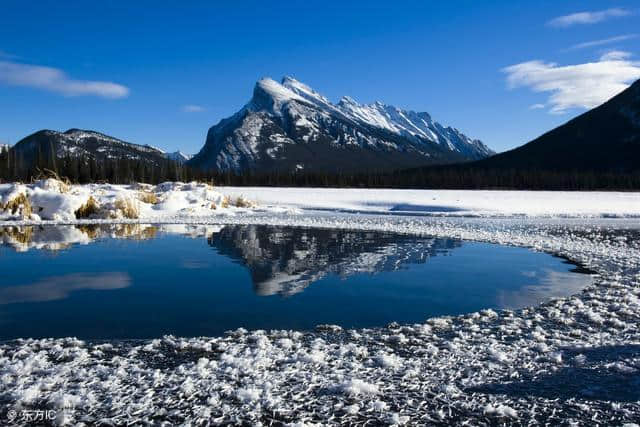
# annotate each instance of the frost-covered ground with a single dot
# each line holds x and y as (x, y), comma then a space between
(571, 361)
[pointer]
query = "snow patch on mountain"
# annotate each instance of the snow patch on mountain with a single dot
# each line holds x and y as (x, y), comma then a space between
(179, 156)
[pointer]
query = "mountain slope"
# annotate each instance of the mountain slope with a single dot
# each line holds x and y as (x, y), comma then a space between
(83, 143)
(604, 139)
(288, 126)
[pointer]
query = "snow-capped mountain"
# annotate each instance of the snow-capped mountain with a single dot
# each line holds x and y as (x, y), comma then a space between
(289, 126)
(285, 261)
(85, 144)
(179, 156)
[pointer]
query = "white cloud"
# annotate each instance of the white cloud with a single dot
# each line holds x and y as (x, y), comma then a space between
(191, 108)
(536, 107)
(55, 80)
(576, 86)
(604, 41)
(588, 17)
(615, 55)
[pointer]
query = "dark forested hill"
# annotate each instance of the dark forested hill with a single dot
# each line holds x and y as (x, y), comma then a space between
(605, 139)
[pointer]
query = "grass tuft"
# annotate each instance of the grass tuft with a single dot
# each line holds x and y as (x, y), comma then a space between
(148, 197)
(226, 201)
(128, 207)
(90, 208)
(241, 202)
(21, 204)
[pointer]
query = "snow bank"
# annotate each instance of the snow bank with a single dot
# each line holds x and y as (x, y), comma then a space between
(54, 200)
(449, 202)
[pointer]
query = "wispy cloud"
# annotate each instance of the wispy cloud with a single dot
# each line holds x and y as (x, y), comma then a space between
(191, 108)
(536, 107)
(592, 17)
(576, 86)
(55, 80)
(602, 42)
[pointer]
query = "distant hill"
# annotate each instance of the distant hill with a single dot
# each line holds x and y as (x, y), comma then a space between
(78, 143)
(604, 139)
(288, 127)
(179, 156)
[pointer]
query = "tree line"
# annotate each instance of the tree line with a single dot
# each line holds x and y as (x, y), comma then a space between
(86, 169)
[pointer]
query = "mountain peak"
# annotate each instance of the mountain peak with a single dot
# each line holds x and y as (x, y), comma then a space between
(270, 95)
(287, 125)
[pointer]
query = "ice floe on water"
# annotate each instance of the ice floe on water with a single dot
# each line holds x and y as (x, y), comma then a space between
(570, 361)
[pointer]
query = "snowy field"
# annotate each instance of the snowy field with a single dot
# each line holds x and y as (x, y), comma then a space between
(571, 361)
(448, 202)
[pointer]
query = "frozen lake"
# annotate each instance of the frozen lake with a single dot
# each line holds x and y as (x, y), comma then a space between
(144, 281)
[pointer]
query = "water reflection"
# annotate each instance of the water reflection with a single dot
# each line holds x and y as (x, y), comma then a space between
(59, 287)
(24, 238)
(285, 260)
(142, 281)
(281, 260)
(544, 284)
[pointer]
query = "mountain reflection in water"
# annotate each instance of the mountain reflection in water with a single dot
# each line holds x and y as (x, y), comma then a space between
(285, 260)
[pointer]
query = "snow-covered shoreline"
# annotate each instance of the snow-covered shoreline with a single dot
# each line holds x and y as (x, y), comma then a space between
(572, 360)
(56, 201)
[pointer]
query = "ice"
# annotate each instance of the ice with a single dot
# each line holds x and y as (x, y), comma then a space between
(449, 203)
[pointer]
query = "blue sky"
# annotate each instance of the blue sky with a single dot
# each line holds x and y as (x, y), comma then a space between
(502, 71)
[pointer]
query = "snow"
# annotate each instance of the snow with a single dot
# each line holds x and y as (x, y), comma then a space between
(279, 94)
(56, 201)
(448, 203)
(570, 361)
(179, 156)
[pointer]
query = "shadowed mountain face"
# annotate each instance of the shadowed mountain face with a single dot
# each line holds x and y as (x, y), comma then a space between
(80, 143)
(605, 139)
(285, 261)
(288, 126)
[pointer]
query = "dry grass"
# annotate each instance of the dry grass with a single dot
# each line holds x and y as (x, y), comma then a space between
(128, 207)
(89, 209)
(19, 202)
(64, 185)
(241, 202)
(226, 201)
(148, 197)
